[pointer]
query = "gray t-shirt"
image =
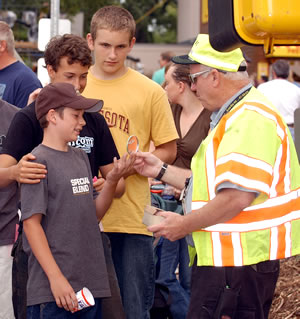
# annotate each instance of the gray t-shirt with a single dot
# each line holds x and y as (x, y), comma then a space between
(65, 198)
(8, 195)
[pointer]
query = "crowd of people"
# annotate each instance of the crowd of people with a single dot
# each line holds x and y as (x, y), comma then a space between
(78, 197)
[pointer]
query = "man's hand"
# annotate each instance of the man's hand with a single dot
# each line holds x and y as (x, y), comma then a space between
(63, 293)
(28, 172)
(147, 164)
(171, 227)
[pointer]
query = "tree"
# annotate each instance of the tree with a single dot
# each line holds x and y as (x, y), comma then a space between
(159, 26)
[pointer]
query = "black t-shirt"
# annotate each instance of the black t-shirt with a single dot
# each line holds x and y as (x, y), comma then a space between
(25, 133)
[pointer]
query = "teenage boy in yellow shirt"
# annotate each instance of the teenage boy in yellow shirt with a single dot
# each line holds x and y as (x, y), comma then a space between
(134, 105)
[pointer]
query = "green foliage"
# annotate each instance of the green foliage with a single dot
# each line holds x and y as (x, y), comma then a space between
(159, 26)
(166, 25)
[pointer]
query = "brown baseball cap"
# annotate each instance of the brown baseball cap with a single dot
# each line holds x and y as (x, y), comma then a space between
(56, 95)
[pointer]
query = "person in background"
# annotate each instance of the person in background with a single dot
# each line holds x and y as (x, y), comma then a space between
(17, 81)
(241, 196)
(67, 59)
(159, 75)
(192, 124)
(282, 93)
(134, 105)
(8, 221)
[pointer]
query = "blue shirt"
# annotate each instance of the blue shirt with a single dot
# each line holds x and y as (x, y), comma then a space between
(17, 81)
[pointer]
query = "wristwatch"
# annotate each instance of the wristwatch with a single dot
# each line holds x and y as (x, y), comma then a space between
(162, 171)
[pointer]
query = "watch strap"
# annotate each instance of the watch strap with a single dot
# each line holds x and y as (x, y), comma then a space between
(162, 171)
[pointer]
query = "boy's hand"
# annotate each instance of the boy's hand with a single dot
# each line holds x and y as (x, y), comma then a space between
(122, 168)
(63, 293)
(98, 183)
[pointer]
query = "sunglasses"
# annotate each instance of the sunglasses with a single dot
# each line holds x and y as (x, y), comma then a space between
(193, 76)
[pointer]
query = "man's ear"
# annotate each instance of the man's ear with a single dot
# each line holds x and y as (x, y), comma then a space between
(2, 45)
(216, 78)
(90, 41)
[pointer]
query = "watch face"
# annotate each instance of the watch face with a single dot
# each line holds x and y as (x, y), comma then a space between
(132, 144)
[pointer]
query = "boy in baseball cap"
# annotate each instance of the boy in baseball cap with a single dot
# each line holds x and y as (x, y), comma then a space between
(56, 95)
(60, 214)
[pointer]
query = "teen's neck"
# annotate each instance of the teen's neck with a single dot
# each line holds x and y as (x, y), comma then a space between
(102, 75)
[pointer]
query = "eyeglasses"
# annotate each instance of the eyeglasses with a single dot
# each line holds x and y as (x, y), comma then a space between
(193, 76)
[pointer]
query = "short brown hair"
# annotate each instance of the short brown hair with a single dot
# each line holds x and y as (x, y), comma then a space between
(74, 47)
(113, 18)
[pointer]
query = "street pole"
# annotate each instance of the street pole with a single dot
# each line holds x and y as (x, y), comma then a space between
(55, 12)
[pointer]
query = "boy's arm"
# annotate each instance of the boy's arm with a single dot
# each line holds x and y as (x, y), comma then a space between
(99, 183)
(120, 168)
(61, 289)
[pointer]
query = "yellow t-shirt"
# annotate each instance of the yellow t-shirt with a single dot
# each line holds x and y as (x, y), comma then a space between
(133, 105)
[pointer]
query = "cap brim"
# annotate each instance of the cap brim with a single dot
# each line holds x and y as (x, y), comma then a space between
(83, 103)
(183, 59)
(96, 108)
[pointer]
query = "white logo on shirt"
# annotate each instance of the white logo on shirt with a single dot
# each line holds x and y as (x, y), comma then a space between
(80, 185)
(86, 143)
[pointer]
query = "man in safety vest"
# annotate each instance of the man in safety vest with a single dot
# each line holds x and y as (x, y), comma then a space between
(242, 199)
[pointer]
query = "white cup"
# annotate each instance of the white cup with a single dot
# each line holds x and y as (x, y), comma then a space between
(85, 298)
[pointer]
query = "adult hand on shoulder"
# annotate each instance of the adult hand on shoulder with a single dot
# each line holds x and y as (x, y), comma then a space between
(29, 172)
(172, 227)
(63, 293)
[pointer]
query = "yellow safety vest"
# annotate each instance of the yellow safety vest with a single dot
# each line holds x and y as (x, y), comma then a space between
(251, 147)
